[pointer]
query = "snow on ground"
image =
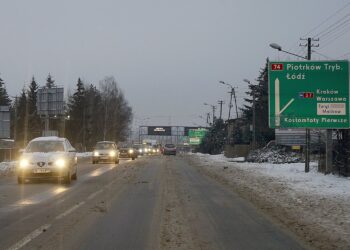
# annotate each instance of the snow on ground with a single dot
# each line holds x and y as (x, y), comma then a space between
(84, 154)
(7, 168)
(316, 207)
(293, 174)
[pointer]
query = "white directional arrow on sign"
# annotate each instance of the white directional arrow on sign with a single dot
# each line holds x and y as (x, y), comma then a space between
(279, 111)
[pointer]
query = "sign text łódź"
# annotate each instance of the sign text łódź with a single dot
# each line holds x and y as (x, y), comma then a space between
(309, 94)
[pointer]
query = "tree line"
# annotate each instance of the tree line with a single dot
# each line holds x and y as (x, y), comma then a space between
(91, 113)
(241, 133)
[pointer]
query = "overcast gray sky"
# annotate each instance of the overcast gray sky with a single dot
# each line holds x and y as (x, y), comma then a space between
(167, 56)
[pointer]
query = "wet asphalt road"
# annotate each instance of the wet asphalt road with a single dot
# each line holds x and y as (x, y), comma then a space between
(157, 202)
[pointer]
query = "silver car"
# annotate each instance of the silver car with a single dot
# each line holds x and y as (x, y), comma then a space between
(48, 158)
(105, 151)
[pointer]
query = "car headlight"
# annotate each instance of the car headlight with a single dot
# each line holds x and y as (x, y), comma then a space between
(112, 153)
(131, 151)
(146, 150)
(96, 153)
(23, 163)
(153, 150)
(60, 163)
(157, 150)
(140, 150)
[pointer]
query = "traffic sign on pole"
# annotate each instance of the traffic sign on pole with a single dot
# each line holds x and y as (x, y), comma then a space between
(310, 94)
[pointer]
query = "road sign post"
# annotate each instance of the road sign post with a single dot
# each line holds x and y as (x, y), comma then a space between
(309, 94)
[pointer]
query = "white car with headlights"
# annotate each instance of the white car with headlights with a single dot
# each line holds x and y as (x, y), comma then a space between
(48, 158)
(106, 151)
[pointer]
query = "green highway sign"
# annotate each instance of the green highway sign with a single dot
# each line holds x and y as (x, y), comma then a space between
(309, 94)
(196, 136)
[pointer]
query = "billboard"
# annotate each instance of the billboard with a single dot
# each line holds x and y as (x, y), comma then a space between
(50, 101)
(4, 122)
(309, 94)
(158, 130)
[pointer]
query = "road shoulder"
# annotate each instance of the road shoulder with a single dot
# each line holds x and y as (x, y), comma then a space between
(314, 219)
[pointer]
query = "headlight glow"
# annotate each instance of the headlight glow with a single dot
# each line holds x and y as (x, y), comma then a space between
(112, 153)
(23, 163)
(146, 150)
(60, 163)
(96, 153)
(153, 150)
(157, 150)
(140, 150)
(131, 151)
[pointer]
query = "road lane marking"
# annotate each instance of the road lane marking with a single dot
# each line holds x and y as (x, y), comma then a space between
(30, 237)
(45, 227)
(100, 171)
(70, 210)
(40, 197)
(91, 196)
(43, 196)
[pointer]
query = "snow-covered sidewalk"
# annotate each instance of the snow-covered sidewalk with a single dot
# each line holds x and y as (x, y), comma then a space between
(313, 205)
(84, 154)
(7, 168)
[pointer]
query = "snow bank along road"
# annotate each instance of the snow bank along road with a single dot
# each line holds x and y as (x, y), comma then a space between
(159, 202)
(314, 206)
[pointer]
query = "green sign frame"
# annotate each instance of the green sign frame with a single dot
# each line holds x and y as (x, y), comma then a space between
(196, 136)
(309, 94)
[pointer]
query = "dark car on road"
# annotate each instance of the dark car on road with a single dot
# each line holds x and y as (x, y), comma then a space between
(127, 152)
(169, 149)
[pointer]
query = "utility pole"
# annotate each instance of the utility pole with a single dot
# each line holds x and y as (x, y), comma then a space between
(254, 126)
(25, 137)
(15, 125)
(230, 105)
(234, 96)
(220, 102)
(105, 122)
(214, 108)
(309, 45)
(208, 118)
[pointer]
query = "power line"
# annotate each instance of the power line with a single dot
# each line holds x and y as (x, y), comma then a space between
(336, 38)
(318, 53)
(344, 55)
(339, 24)
(297, 50)
(327, 19)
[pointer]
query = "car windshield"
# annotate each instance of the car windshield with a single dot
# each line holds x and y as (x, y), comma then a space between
(45, 146)
(104, 146)
(169, 145)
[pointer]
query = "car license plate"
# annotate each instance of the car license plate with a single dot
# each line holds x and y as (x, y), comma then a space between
(104, 157)
(41, 170)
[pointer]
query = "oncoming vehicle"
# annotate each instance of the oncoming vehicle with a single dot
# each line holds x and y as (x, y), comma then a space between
(106, 151)
(169, 149)
(127, 152)
(138, 148)
(48, 158)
